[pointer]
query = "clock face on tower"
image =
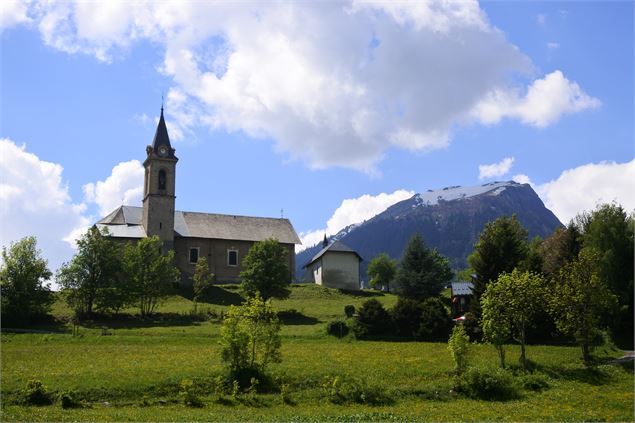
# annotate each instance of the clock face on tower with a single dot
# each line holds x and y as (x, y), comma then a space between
(163, 151)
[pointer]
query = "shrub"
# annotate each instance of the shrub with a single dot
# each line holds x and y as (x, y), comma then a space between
(435, 321)
(534, 382)
(459, 345)
(35, 393)
(488, 384)
(372, 319)
(250, 339)
(406, 316)
(188, 394)
(349, 310)
(347, 390)
(68, 399)
(337, 328)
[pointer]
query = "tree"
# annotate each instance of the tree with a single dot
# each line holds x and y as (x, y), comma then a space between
(579, 298)
(459, 347)
(423, 271)
(406, 315)
(372, 319)
(202, 279)
(382, 270)
(150, 274)
(608, 231)
(22, 289)
(435, 320)
(509, 307)
(501, 247)
(265, 271)
(561, 247)
(92, 279)
(250, 338)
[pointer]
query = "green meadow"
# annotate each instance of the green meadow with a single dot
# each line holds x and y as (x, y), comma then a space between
(129, 369)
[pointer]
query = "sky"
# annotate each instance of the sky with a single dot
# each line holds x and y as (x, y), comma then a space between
(323, 112)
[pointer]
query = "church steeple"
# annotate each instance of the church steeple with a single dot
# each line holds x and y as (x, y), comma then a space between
(159, 186)
(161, 138)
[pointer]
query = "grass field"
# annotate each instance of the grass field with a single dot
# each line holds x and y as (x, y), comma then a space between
(134, 373)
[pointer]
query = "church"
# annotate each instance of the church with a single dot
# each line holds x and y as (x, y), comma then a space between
(224, 240)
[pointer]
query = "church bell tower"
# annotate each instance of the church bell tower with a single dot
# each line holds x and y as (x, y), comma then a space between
(159, 187)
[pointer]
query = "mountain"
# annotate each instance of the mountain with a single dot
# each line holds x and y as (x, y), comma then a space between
(449, 219)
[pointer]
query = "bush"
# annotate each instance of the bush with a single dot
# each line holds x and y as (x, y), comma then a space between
(488, 384)
(347, 390)
(534, 382)
(68, 399)
(188, 394)
(35, 393)
(372, 319)
(349, 310)
(435, 321)
(337, 328)
(458, 345)
(406, 316)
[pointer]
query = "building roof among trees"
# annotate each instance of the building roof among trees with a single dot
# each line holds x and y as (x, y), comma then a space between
(336, 247)
(125, 222)
(462, 288)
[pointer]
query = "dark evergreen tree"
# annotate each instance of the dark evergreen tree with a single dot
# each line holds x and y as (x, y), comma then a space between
(435, 324)
(372, 320)
(265, 271)
(502, 246)
(406, 316)
(562, 247)
(423, 272)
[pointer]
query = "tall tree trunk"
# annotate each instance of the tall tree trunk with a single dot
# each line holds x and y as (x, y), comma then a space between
(523, 358)
(501, 355)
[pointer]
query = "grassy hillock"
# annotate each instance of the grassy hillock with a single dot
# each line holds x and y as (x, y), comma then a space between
(134, 372)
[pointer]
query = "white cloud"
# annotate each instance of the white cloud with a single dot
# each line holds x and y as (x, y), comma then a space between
(495, 169)
(522, 179)
(552, 45)
(331, 84)
(351, 211)
(12, 13)
(124, 186)
(34, 200)
(583, 187)
(546, 101)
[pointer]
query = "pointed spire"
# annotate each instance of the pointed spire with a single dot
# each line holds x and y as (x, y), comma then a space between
(325, 243)
(161, 137)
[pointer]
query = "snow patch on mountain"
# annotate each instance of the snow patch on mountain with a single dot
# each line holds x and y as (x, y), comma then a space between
(433, 197)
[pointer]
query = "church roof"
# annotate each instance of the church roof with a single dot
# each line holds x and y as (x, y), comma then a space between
(161, 136)
(337, 247)
(126, 222)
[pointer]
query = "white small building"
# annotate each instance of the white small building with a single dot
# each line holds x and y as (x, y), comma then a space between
(335, 266)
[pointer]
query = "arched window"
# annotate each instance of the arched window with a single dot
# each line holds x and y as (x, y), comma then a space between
(162, 179)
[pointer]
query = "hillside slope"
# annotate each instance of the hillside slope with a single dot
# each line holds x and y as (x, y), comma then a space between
(449, 219)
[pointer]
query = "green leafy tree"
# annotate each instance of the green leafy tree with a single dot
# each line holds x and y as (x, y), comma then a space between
(501, 247)
(150, 274)
(608, 231)
(406, 315)
(509, 307)
(423, 272)
(93, 278)
(250, 337)
(22, 276)
(579, 298)
(382, 270)
(202, 279)
(459, 347)
(265, 271)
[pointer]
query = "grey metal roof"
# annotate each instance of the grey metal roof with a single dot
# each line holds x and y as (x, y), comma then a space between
(126, 222)
(338, 247)
(462, 288)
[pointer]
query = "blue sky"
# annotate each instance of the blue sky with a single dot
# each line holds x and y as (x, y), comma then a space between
(301, 106)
